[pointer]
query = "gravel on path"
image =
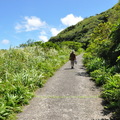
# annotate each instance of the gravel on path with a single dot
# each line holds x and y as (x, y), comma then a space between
(69, 95)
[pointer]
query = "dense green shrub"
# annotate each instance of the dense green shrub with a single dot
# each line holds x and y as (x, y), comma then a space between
(72, 45)
(111, 91)
(99, 76)
(94, 64)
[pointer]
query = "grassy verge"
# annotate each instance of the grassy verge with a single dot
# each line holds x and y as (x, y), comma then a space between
(24, 70)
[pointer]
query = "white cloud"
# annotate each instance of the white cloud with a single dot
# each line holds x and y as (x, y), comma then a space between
(71, 20)
(43, 32)
(19, 27)
(5, 41)
(54, 31)
(29, 24)
(43, 38)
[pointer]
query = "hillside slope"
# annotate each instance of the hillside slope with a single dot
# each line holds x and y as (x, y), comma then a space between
(81, 31)
(100, 36)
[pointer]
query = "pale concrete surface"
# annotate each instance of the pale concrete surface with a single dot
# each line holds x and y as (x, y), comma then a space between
(68, 95)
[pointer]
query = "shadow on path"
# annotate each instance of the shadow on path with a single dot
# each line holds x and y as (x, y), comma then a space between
(68, 69)
(84, 74)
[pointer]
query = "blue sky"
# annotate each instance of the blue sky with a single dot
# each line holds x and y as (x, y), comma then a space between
(21, 20)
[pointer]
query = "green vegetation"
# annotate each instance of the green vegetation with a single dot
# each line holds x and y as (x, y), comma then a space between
(25, 69)
(81, 32)
(102, 62)
(100, 37)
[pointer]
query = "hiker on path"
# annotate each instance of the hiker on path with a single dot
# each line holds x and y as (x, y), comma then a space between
(72, 58)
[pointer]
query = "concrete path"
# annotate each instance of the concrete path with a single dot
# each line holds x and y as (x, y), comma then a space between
(68, 95)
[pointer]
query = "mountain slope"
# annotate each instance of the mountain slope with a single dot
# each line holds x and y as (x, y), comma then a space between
(81, 31)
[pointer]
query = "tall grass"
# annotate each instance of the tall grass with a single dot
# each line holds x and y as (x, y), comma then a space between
(24, 70)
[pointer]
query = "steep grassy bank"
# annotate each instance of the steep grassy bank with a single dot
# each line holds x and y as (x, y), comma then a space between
(102, 59)
(24, 70)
